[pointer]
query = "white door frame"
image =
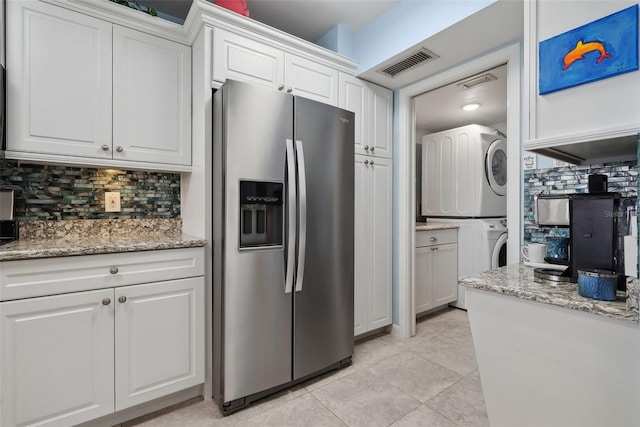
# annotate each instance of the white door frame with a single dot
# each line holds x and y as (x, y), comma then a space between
(407, 168)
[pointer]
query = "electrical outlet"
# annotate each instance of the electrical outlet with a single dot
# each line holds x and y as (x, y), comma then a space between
(112, 201)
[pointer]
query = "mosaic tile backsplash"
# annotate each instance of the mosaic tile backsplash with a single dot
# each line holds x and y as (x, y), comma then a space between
(52, 192)
(622, 178)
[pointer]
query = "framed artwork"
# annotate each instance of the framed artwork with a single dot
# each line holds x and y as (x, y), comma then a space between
(600, 49)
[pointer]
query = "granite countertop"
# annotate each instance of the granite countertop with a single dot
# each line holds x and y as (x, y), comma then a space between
(517, 280)
(424, 226)
(45, 239)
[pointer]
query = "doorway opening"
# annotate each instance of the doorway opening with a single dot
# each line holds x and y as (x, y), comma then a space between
(407, 137)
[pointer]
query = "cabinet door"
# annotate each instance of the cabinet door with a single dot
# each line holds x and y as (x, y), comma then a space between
(379, 211)
(380, 110)
(57, 359)
(422, 268)
(311, 80)
(353, 96)
(58, 81)
(240, 58)
(445, 274)
(151, 98)
(362, 247)
(159, 339)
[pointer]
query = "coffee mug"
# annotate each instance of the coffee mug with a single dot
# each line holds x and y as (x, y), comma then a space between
(534, 252)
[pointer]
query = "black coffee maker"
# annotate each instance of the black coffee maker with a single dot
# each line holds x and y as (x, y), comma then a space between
(597, 226)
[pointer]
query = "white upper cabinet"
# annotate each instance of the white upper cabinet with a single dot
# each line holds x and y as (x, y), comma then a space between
(373, 106)
(311, 80)
(353, 97)
(85, 91)
(239, 58)
(380, 116)
(243, 58)
(151, 98)
(592, 122)
(58, 81)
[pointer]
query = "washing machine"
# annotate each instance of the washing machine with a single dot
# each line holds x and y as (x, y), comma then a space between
(482, 246)
(464, 173)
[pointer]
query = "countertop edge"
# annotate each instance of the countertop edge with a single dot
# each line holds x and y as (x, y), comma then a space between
(585, 305)
(70, 249)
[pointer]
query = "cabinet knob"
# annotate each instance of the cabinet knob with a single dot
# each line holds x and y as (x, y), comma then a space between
(371, 162)
(372, 148)
(280, 87)
(366, 162)
(113, 270)
(106, 301)
(122, 299)
(434, 249)
(105, 147)
(433, 239)
(366, 147)
(119, 149)
(289, 90)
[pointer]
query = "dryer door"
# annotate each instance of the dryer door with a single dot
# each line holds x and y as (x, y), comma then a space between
(499, 255)
(496, 166)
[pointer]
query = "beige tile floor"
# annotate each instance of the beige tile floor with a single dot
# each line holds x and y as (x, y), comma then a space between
(428, 380)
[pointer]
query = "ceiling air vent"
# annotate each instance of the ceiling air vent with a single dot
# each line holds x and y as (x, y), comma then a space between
(478, 80)
(421, 57)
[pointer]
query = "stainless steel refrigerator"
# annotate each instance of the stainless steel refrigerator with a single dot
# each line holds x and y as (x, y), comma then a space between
(283, 221)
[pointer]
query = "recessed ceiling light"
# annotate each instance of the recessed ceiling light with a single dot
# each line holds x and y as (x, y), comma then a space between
(470, 107)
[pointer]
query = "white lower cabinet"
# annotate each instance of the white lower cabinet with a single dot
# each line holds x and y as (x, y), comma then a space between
(74, 357)
(436, 269)
(372, 306)
(57, 359)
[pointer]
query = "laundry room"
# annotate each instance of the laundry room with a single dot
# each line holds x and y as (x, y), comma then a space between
(461, 177)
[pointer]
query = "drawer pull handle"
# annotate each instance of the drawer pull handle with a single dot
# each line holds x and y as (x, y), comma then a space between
(113, 270)
(106, 301)
(122, 299)
(433, 239)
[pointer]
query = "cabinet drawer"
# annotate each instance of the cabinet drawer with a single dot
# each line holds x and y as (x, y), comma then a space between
(49, 276)
(436, 237)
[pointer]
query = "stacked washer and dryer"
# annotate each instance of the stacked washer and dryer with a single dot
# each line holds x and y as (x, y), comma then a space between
(464, 181)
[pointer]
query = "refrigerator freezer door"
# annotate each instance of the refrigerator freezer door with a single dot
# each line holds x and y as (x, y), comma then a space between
(257, 313)
(323, 309)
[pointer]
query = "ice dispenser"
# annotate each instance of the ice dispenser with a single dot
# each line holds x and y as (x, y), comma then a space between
(261, 214)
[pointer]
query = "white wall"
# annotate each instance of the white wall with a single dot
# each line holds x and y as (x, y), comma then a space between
(406, 24)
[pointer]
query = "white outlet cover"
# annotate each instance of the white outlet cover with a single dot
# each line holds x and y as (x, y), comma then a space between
(112, 201)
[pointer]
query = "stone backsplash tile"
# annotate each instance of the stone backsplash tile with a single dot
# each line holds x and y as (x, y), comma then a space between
(53, 192)
(622, 177)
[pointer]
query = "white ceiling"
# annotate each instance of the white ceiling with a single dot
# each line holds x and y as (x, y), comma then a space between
(440, 109)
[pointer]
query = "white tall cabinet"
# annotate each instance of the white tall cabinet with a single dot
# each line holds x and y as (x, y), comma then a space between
(373, 183)
(373, 201)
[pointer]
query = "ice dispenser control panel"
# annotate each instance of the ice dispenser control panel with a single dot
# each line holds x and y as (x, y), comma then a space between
(261, 214)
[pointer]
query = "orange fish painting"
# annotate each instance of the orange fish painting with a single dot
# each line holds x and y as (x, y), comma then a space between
(581, 49)
(597, 50)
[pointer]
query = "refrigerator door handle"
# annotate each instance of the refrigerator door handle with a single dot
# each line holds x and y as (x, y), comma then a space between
(302, 200)
(291, 206)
